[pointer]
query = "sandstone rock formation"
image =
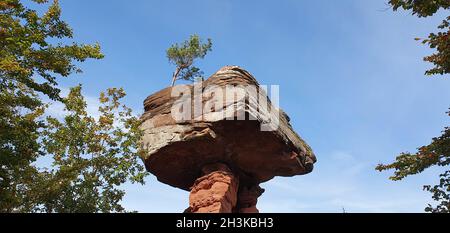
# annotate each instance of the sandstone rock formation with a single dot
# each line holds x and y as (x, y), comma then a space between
(220, 161)
(215, 191)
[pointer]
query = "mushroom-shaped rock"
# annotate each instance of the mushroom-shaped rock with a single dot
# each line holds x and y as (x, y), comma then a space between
(227, 126)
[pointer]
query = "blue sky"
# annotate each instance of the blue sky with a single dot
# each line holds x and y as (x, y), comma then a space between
(350, 75)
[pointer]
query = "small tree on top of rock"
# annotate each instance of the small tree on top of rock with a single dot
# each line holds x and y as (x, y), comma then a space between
(183, 56)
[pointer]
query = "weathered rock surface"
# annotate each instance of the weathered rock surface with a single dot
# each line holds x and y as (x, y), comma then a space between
(178, 151)
(215, 192)
(247, 199)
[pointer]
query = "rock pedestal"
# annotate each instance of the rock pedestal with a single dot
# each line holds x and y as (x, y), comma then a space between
(220, 149)
(247, 199)
(214, 192)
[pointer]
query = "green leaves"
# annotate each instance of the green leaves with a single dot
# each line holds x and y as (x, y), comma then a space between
(437, 153)
(183, 56)
(440, 40)
(19, 146)
(93, 156)
(190, 73)
(25, 51)
(422, 8)
(441, 194)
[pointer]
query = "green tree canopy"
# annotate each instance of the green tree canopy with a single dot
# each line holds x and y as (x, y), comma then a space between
(439, 40)
(422, 8)
(26, 52)
(183, 56)
(437, 153)
(29, 65)
(91, 157)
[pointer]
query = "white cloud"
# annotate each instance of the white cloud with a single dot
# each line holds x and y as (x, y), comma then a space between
(342, 156)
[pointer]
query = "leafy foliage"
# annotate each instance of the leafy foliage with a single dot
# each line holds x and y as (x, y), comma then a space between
(29, 68)
(26, 52)
(435, 154)
(18, 143)
(26, 56)
(440, 40)
(422, 8)
(183, 56)
(91, 157)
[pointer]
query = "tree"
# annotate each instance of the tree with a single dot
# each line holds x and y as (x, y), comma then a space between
(26, 52)
(91, 157)
(183, 57)
(440, 40)
(437, 153)
(19, 147)
(29, 68)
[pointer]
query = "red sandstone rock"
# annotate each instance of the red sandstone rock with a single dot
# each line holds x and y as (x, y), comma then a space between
(179, 151)
(247, 199)
(215, 192)
(249, 210)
